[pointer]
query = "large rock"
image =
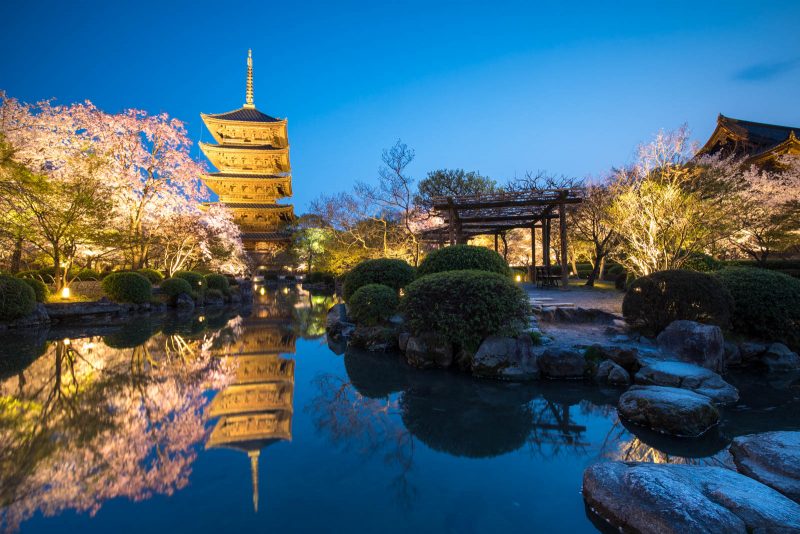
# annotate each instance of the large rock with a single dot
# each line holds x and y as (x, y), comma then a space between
(337, 324)
(693, 342)
(38, 317)
(374, 338)
(772, 458)
(779, 357)
(679, 499)
(733, 356)
(578, 315)
(506, 358)
(674, 411)
(429, 350)
(751, 351)
(688, 376)
(610, 372)
(627, 358)
(562, 363)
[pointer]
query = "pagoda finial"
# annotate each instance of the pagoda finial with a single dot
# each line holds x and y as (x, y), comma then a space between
(249, 94)
(254, 475)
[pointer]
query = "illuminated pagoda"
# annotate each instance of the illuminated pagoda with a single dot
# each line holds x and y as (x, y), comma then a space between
(255, 410)
(761, 144)
(252, 159)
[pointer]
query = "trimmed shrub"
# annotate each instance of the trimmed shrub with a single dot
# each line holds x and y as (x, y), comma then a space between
(372, 304)
(319, 277)
(40, 289)
(196, 280)
(654, 301)
(218, 282)
(462, 258)
(86, 275)
(214, 294)
(173, 287)
(127, 287)
(466, 306)
(767, 303)
(702, 263)
(390, 272)
(17, 298)
(154, 276)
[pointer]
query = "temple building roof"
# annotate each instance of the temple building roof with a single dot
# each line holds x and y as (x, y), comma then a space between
(755, 140)
(265, 236)
(253, 176)
(243, 114)
(235, 205)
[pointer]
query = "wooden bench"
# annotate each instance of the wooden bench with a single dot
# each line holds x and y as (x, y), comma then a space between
(546, 278)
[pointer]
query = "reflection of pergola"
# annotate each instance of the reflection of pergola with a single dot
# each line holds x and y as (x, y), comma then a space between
(466, 217)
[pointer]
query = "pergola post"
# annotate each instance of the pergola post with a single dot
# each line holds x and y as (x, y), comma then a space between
(495, 242)
(532, 268)
(546, 244)
(451, 223)
(562, 228)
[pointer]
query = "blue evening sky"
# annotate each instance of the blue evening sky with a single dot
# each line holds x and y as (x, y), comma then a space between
(497, 87)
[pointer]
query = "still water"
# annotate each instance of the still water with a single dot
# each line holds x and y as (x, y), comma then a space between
(246, 420)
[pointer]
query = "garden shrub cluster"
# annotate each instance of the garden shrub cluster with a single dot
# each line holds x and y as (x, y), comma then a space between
(389, 272)
(127, 287)
(373, 303)
(767, 303)
(218, 282)
(215, 294)
(40, 289)
(702, 263)
(652, 302)
(196, 280)
(17, 298)
(463, 257)
(154, 276)
(466, 306)
(173, 287)
(320, 277)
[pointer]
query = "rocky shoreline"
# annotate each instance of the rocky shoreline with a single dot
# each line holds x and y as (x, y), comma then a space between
(673, 385)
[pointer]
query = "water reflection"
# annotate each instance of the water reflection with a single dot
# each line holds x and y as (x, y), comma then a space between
(103, 417)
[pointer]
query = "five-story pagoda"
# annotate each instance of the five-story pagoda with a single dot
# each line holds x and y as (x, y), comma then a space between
(252, 158)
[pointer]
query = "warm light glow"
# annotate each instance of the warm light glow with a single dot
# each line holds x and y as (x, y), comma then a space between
(262, 291)
(201, 318)
(66, 341)
(519, 278)
(285, 290)
(65, 292)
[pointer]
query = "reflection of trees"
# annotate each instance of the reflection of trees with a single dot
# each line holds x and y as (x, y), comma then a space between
(87, 422)
(370, 424)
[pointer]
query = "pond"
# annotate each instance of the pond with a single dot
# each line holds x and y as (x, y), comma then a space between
(246, 420)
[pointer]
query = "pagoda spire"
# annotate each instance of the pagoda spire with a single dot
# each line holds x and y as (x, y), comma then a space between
(254, 475)
(249, 93)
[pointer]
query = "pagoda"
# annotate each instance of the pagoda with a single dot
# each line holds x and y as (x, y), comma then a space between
(255, 410)
(251, 155)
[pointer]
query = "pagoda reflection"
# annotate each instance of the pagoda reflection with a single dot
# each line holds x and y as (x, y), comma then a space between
(255, 410)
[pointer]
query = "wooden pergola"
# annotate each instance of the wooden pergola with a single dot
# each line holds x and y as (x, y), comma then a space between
(466, 217)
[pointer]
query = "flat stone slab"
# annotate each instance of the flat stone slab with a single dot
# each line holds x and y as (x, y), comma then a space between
(673, 411)
(679, 499)
(688, 376)
(772, 458)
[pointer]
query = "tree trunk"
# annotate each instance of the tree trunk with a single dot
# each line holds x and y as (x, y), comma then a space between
(16, 257)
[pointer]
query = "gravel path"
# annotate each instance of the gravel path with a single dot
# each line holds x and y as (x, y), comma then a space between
(606, 300)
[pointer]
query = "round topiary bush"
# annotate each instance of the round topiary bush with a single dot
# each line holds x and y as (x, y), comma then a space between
(154, 276)
(173, 287)
(39, 288)
(702, 263)
(766, 303)
(389, 272)
(372, 304)
(462, 258)
(86, 275)
(652, 302)
(17, 298)
(466, 306)
(127, 287)
(218, 282)
(195, 279)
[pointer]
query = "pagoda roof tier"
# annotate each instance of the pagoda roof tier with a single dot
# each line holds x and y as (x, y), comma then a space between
(755, 140)
(242, 114)
(245, 205)
(233, 429)
(265, 236)
(243, 159)
(247, 176)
